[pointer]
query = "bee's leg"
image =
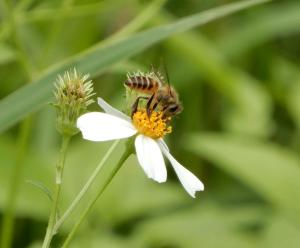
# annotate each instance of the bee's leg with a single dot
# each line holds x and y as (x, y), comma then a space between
(136, 104)
(148, 106)
(150, 109)
(164, 111)
(155, 105)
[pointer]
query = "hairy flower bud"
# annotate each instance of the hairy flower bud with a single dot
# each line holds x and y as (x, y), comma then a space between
(73, 95)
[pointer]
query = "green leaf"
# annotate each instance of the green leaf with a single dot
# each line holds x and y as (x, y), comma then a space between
(41, 187)
(199, 225)
(270, 170)
(281, 19)
(33, 96)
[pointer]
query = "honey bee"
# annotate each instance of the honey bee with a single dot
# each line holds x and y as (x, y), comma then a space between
(161, 95)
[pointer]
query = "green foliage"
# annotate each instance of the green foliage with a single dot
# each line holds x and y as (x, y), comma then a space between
(271, 171)
(239, 80)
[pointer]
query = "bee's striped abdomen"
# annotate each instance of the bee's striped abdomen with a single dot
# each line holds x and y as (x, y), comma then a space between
(142, 84)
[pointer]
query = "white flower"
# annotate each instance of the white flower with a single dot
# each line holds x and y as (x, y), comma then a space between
(150, 147)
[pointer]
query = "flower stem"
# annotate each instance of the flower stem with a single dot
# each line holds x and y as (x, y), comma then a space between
(58, 181)
(113, 170)
(85, 188)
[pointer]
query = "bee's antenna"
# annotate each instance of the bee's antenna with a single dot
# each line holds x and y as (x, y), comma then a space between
(167, 76)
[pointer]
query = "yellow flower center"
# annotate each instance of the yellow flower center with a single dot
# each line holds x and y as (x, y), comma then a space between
(154, 127)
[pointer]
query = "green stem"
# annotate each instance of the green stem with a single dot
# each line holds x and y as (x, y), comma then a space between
(16, 178)
(58, 181)
(113, 170)
(86, 187)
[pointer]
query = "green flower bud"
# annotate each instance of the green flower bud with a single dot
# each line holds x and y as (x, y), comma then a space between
(73, 95)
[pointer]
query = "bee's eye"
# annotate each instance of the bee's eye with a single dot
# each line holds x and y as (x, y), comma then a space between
(173, 109)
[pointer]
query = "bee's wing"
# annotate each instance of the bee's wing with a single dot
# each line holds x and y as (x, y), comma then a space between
(156, 72)
(164, 75)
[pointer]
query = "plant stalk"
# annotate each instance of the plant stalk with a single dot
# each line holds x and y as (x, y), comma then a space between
(86, 187)
(114, 169)
(58, 181)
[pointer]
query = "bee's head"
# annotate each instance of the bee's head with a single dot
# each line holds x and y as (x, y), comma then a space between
(173, 109)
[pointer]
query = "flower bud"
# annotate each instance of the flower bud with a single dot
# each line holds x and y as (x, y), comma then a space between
(73, 95)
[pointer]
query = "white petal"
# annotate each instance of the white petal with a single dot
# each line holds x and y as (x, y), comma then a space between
(188, 180)
(150, 158)
(111, 110)
(97, 126)
(161, 142)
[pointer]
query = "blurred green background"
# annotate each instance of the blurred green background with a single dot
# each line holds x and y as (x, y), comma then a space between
(239, 80)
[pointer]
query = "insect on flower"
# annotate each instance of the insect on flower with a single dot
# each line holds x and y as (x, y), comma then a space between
(161, 95)
(149, 145)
